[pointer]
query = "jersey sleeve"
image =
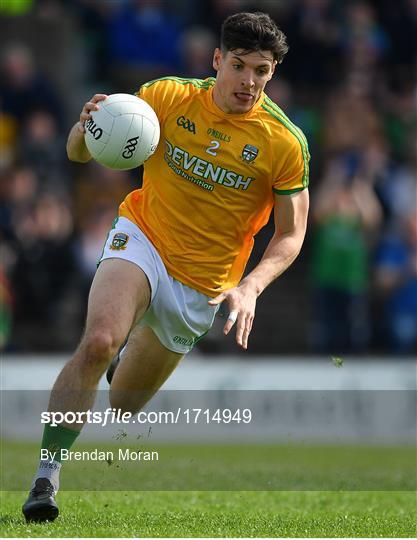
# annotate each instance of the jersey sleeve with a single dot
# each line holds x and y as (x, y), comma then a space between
(163, 95)
(294, 173)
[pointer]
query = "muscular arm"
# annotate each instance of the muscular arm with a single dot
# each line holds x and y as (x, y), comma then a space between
(76, 147)
(290, 216)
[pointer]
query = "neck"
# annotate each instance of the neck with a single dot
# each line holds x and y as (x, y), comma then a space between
(218, 100)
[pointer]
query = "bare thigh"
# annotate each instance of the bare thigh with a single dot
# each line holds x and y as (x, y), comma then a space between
(119, 296)
(145, 366)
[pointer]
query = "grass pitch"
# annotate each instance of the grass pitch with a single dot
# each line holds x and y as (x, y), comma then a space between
(187, 513)
(224, 514)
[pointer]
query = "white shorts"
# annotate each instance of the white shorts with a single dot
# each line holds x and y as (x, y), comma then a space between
(179, 316)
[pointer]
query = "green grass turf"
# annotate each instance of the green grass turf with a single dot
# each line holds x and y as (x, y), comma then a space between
(186, 512)
(213, 467)
(224, 514)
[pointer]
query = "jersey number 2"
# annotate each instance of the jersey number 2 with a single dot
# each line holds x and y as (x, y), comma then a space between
(213, 148)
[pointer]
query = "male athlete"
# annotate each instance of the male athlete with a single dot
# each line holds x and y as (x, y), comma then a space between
(227, 156)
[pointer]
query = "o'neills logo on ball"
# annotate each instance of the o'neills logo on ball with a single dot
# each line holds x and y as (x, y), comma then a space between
(130, 147)
(93, 128)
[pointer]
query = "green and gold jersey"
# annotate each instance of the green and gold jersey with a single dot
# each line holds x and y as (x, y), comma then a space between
(209, 187)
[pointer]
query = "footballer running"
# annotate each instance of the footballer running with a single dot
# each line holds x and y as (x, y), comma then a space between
(181, 243)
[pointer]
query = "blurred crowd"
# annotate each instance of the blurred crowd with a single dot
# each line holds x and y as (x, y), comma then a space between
(349, 82)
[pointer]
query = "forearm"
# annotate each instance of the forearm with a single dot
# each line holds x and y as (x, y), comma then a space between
(76, 147)
(280, 253)
(290, 218)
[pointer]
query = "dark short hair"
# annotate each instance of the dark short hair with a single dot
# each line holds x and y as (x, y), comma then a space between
(253, 32)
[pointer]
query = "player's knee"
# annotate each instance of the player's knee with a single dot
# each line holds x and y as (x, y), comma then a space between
(100, 347)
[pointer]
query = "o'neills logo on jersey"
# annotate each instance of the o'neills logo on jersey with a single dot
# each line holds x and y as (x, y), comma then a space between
(198, 170)
(219, 135)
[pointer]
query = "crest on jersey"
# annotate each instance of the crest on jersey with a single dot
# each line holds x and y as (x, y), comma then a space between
(249, 152)
(119, 241)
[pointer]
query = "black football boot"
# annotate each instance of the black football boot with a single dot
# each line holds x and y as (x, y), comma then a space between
(40, 505)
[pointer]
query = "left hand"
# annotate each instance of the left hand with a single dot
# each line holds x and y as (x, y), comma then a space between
(242, 302)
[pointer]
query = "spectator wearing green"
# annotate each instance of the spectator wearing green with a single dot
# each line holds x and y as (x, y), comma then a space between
(345, 212)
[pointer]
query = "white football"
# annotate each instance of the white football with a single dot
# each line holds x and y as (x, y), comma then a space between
(123, 133)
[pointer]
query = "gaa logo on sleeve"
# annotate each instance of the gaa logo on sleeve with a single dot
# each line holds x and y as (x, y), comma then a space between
(119, 241)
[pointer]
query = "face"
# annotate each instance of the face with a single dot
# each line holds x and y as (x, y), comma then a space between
(241, 78)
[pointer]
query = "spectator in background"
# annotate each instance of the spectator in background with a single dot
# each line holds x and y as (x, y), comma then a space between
(94, 17)
(143, 43)
(23, 88)
(212, 12)
(43, 275)
(196, 46)
(345, 211)
(351, 118)
(43, 149)
(399, 21)
(396, 280)
(7, 260)
(400, 119)
(8, 139)
(364, 41)
(6, 308)
(19, 190)
(314, 37)
(396, 183)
